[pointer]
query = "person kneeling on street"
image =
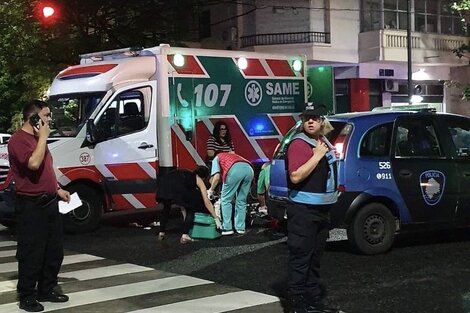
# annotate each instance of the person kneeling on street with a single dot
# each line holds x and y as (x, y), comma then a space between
(187, 189)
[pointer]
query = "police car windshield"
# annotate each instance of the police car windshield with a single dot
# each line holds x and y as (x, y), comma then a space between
(70, 112)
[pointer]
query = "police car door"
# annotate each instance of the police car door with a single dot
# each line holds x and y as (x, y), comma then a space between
(424, 173)
(457, 130)
(125, 152)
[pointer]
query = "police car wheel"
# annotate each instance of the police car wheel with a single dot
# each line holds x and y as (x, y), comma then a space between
(372, 231)
(88, 216)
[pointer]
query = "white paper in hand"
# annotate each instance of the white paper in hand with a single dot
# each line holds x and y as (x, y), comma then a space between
(74, 203)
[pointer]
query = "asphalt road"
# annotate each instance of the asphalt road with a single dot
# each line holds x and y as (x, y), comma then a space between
(425, 272)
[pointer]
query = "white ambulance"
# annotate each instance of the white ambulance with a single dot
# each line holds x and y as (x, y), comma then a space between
(123, 116)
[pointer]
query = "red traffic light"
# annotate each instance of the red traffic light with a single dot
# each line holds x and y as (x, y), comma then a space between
(47, 11)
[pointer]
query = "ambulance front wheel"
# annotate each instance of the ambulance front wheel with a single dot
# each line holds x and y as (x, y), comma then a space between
(372, 230)
(87, 217)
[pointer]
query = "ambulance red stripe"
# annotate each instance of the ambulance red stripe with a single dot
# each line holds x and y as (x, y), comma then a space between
(121, 203)
(242, 145)
(268, 145)
(191, 66)
(181, 156)
(92, 69)
(147, 199)
(280, 67)
(283, 123)
(203, 134)
(125, 171)
(82, 172)
(254, 68)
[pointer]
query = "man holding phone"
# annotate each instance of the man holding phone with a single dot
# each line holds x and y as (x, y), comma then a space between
(39, 234)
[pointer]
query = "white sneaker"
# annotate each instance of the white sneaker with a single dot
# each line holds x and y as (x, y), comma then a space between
(227, 232)
(263, 210)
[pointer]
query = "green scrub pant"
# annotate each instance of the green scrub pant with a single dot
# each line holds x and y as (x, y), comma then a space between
(236, 186)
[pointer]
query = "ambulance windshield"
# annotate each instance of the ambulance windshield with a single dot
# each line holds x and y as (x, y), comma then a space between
(70, 112)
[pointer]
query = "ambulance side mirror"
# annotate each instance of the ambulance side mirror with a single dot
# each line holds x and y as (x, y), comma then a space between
(91, 135)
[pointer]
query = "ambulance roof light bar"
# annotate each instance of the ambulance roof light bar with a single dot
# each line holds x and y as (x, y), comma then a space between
(109, 54)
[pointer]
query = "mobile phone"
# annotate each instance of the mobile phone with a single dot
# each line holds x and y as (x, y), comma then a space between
(34, 120)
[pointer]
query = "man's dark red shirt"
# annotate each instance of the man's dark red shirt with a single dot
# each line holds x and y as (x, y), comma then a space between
(28, 182)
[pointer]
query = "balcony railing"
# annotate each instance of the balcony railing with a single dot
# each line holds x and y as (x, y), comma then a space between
(391, 45)
(285, 38)
(423, 41)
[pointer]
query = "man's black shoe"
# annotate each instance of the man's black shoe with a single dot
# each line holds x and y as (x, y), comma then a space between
(321, 308)
(31, 305)
(53, 296)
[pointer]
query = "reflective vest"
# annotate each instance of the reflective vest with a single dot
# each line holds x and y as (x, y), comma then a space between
(226, 161)
(312, 190)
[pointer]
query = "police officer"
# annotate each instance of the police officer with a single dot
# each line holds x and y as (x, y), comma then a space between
(312, 184)
(39, 249)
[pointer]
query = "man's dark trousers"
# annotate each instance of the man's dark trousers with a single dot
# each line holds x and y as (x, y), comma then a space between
(40, 246)
(308, 227)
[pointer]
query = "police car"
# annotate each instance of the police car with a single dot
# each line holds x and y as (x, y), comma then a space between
(397, 170)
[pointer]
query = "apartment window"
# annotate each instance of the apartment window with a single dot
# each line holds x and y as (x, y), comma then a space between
(450, 22)
(395, 14)
(436, 16)
(370, 15)
(428, 16)
(402, 5)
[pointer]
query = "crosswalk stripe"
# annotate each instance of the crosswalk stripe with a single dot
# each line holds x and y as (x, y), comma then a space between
(88, 274)
(117, 292)
(7, 253)
(105, 271)
(94, 282)
(214, 304)
(68, 259)
(7, 243)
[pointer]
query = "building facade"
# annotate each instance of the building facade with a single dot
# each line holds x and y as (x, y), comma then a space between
(356, 49)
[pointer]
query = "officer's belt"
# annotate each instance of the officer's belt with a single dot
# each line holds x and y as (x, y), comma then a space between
(42, 199)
